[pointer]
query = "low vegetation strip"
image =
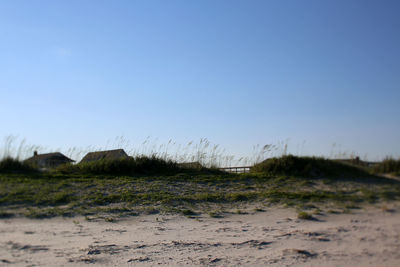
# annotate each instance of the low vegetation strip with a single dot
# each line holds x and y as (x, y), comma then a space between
(388, 165)
(9, 164)
(310, 167)
(132, 166)
(135, 185)
(51, 194)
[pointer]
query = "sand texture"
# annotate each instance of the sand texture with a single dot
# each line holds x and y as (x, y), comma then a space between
(366, 237)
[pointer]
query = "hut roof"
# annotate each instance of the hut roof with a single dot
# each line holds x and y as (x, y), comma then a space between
(56, 156)
(105, 155)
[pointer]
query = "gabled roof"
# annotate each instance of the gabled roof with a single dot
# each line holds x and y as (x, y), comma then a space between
(56, 156)
(105, 155)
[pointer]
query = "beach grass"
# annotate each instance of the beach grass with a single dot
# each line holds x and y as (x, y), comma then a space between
(152, 184)
(310, 167)
(55, 194)
(388, 165)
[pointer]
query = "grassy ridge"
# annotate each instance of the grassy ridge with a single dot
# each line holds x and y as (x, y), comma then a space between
(9, 165)
(133, 166)
(129, 166)
(144, 184)
(309, 167)
(388, 165)
(38, 195)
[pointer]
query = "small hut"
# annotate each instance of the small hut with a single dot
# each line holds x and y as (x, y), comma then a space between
(115, 154)
(48, 160)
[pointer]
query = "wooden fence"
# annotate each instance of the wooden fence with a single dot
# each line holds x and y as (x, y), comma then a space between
(243, 169)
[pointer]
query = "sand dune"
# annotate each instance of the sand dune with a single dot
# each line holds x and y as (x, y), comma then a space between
(366, 237)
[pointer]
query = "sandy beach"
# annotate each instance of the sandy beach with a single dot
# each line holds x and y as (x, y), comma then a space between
(366, 237)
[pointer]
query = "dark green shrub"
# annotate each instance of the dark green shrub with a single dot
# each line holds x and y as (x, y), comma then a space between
(141, 165)
(304, 216)
(8, 165)
(131, 166)
(307, 167)
(67, 168)
(388, 165)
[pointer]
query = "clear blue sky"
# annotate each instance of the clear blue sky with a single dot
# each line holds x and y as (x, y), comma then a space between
(240, 73)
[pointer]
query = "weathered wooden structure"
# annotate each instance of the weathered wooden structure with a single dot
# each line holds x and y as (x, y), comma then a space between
(48, 160)
(115, 154)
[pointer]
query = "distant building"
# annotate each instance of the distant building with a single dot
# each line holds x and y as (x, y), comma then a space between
(105, 155)
(48, 161)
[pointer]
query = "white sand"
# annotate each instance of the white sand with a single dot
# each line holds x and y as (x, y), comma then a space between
(368, 237)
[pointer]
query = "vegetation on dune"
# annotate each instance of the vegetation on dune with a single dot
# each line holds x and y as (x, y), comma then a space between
(308, 167)
(204, 152)
(9, 165)
(304, 215)
(388, 165)
(132, 166)
(51, 194)
(157, 183)
(129, 166)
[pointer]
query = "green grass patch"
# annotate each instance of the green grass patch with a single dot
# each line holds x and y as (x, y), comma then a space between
(130, 166)
(388, 165)
(56, 194)
(304, 215)
(11, 165)
(308, 167)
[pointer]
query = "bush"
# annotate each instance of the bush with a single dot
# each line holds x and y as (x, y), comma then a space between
(130, 166)
(388, 165)
(307, 167)
(141, 165)
(9, 164)
(304, 216)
